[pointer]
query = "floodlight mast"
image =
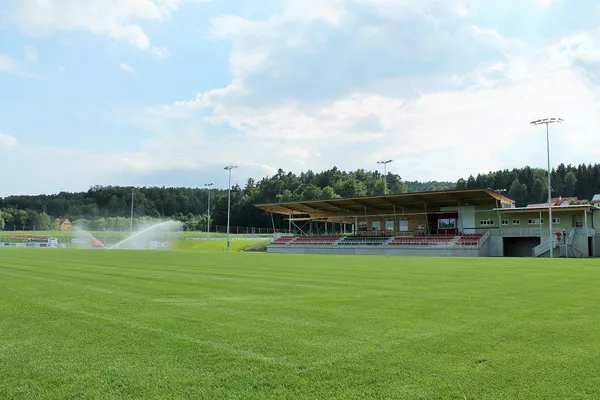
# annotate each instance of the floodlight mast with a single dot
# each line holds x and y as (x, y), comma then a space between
(229, 168)
(385, 163)
(208, 186)
(547, 122)
(132, 198)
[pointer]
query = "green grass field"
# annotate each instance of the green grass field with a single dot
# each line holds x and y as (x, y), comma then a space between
(118, 234)
(215, 245)
(95, 324)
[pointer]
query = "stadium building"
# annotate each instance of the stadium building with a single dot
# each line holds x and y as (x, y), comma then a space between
(477, 223)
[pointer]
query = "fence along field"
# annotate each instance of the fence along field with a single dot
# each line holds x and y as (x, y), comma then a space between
(154, 325)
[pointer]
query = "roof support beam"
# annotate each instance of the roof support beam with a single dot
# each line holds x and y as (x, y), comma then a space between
(362, 204)
(426, 220)
(338, 207)
(313, 207)
(386, 201)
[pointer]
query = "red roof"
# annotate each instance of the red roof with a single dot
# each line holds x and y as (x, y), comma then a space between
(556, 201)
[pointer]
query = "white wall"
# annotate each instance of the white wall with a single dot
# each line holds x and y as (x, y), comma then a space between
(466, 218)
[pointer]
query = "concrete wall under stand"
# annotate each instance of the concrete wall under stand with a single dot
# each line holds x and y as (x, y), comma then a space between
(596, 243)
(493, 247)
(580, 242)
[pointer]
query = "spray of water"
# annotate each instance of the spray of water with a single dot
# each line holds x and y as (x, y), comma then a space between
(86, 233)
(152, 232)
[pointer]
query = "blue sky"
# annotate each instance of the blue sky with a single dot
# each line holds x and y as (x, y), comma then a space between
(167, 92)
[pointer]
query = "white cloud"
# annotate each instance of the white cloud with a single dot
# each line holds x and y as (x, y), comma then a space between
(331, 11)
(323, 83)
(127, 68)
(7, 141)
(186, 108)
(7, 64)
(396, 8)
(443, 135)
(161, 52)
(31, 53)
(465, 122)
(11, 66)
(327, 49)
(582, 45)
(546, 3)
(116, 19)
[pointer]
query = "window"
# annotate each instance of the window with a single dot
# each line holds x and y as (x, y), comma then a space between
(516, 222)
(556, 221)
(389, 226)
(363, 226)
(376, 225)
(403, 226)
(447, 223)
(504, 222)
(536, 221)
(486, 222)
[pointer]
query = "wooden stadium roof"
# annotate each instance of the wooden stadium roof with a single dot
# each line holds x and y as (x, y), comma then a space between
(385, 204)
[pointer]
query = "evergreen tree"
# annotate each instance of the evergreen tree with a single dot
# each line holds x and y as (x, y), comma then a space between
(570, 184)
(539, 192)
(518, 192)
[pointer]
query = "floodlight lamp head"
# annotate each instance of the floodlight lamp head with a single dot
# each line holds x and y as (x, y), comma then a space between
(542, 121)
(230, 167)
(208, 184)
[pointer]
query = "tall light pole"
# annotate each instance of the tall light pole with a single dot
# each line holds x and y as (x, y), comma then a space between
(385, 163)
(229, 168)
(208, 185)
(132, 197)
(548, 121)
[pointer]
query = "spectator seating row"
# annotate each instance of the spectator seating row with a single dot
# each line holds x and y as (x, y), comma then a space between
(419, 240)
(363, 240)
(471, 239)
(423, 240)
(283, 239)
(316, 240)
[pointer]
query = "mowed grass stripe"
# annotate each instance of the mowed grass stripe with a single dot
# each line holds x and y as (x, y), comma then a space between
(100, 324)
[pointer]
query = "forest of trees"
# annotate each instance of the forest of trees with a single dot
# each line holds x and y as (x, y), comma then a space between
(530, 185)
(108, 208)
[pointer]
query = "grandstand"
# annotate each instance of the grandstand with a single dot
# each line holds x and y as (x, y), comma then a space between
(477, 222)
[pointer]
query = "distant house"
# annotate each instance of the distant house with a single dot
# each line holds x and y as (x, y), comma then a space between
(64, 225)
(556, 202)
(596, 200)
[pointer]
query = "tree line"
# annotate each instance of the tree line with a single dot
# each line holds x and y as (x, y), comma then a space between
(530, 185)
(109, 207)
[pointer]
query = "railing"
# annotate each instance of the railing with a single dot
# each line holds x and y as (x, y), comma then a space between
(571, 235)
(521, 232)
(543, 247)
(538, 232)
(584, 231)
(484, 238)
